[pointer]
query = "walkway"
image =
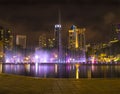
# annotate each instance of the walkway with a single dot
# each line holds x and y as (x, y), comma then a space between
(10, 84)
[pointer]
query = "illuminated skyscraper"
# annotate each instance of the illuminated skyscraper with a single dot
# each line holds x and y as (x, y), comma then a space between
(72, 38)
(76, 42)
(42, 41)
(46, 41)
(6, 38)
(5, 42)
(51, 42)
(76, 38)
(21, 40)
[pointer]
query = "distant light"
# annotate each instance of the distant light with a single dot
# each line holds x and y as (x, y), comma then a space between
(56, 68)
(71, 31)
(36, 56)
(93, 60)
(56, 56)
(9, 31)
(57, 26)
(1, 56)
(27, 58)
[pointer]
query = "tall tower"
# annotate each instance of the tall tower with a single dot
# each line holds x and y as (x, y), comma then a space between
(58, 41)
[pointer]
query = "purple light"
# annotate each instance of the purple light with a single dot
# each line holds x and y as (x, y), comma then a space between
(41, 56)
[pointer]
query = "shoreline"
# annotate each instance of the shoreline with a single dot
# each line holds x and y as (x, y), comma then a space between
(66, 63)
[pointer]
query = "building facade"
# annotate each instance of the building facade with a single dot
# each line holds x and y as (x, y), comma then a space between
(42, 41)
(6, 42)
(46, 41)
(76, 39)
(21, 40)
(76, 42)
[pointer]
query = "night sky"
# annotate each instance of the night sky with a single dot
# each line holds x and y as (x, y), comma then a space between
(33, 17)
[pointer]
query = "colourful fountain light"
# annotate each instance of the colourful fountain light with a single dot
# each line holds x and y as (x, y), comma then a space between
(41, 56)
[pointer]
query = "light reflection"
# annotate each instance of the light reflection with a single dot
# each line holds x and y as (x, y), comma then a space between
(27, 67)
(56, 68)
(0, 67)
(89, 73)
(93, 68)
(104, 69)
(12, 67)
(36, 68)
(45, 71)
(62, 70)
(15, 67)
(77, 71)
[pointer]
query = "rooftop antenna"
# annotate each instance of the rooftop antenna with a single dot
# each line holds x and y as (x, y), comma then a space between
(59, 16)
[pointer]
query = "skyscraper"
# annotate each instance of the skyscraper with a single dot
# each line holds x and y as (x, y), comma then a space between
(42, 41)
(21, 40)
(76, 42)
(5, 38)
(5, 42)
(46, 41)
(51, 41)
(76, 38)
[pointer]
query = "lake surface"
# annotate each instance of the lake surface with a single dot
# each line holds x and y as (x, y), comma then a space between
(62, 70)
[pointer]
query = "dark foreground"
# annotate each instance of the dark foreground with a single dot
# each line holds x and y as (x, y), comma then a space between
(10, 84)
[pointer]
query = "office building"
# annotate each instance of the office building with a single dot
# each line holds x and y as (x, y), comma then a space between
(6, 42)
(76, 38)
(46, 41)
(42, 41)
(6, 38)
(50, 41)
(21, 40)
(76, 44)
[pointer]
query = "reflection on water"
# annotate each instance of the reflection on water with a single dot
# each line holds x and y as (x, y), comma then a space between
(77, 71)
(62, 70)
(27, 67)
(89, 73)
(0, 68)
(56, 68)
(36, 68)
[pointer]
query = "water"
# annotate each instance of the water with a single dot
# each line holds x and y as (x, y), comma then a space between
(62, 70)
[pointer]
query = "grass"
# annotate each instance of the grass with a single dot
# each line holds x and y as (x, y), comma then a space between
(12, 84)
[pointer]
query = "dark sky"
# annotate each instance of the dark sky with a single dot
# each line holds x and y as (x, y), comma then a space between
(33, 17)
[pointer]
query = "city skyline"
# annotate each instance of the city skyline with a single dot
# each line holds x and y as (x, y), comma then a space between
(34, 17)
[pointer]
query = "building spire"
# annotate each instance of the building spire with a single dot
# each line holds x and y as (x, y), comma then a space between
(59, 16)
